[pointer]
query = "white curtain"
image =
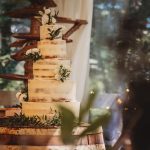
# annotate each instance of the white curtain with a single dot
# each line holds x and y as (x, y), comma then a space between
(80, 48)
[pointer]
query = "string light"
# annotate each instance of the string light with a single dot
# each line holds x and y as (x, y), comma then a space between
(107, 107)
(126, 109)
(127, 90)
(119, 101)
(91, 92)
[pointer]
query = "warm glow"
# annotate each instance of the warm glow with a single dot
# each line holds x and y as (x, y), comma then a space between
(127, 90)
(91, 92)
(125, 108)
(119, 101)
(107, 107)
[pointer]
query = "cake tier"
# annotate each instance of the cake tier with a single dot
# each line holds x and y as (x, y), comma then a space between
(42, 90)
(48, 109)
(48, 68)
(46, 31)
(52, 48)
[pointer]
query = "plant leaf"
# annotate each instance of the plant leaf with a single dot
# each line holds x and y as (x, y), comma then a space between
(68, 124)
(85, 109)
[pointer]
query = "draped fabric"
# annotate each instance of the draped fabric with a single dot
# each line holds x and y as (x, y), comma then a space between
(78, 51)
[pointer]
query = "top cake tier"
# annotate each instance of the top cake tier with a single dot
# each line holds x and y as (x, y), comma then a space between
(51, 31)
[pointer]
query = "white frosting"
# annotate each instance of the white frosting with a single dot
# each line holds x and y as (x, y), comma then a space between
(52, 48)
(47, 68)
(40, 109)
(44, 33)
(50, 90)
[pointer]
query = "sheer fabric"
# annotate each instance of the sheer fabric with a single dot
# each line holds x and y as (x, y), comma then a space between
(78, 51)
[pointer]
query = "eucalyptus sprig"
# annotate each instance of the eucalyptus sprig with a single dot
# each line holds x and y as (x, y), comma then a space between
(62, 74)
(21, 120)
(53, 34)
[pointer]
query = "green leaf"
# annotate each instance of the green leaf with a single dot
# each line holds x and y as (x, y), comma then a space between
(85, 109)
(68, 124)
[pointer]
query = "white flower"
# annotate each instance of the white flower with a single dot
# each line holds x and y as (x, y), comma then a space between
(53, 20)
(28, 52)
(44, 8)
(41, 13)
(18, 94)
(47, 11)
(45, 19)
(52, 11)
(35, 50)
(22, 97)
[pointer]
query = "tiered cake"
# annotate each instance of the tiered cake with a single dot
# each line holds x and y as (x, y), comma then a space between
(51, 85)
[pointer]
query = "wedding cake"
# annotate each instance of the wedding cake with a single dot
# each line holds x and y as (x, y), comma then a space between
(38, 126)
(51, 85)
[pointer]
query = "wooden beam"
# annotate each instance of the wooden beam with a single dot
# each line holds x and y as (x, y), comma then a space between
(14, 77)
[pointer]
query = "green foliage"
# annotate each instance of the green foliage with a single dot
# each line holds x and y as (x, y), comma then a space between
(85, 109)
(36, 56)
(68, 123)
(35, 121)
(64, 73)
(54, 33)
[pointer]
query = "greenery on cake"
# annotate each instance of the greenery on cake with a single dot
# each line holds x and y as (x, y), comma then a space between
(20, 120)
(48, 16)
(53, 34)
(62, 73)
(33, 54)
(22, 95)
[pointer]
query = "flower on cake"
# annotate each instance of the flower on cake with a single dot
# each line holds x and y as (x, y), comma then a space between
(33, 54)
(48, 16)
(62, 73)
(22, 95)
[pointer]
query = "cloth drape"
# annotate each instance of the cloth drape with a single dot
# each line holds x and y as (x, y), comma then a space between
(79, 50)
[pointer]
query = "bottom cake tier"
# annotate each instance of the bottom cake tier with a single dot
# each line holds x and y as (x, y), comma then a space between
(49, 109)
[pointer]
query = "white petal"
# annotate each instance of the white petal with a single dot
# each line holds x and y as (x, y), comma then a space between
(52, 11)
(41, 13)
(47, 11)
(45, 19)
(35, 50)
(18, 95)
(24, 95)
(44, 8)
(21, 98)
(53, 20)
(28, 52)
